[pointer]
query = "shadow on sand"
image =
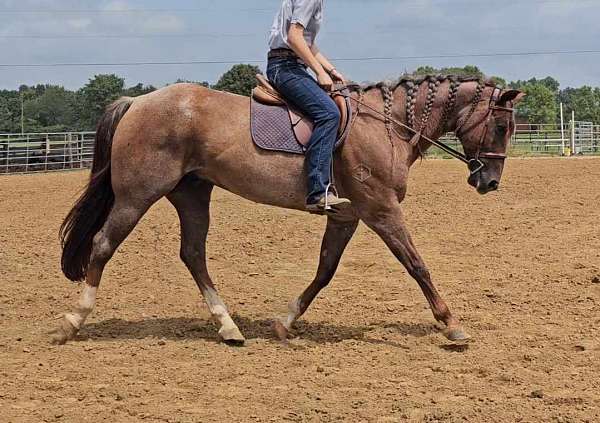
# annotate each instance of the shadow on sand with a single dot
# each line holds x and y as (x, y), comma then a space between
(181, 328)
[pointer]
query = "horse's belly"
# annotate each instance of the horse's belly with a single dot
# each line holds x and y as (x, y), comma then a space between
(276, 179)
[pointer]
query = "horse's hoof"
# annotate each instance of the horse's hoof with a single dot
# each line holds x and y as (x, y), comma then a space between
(457, 334)
(281, 331)
(232, 337)
(64, 333)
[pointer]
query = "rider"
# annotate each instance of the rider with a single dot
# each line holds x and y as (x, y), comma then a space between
(292, 51)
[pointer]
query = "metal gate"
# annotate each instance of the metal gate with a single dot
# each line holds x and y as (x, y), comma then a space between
(44, 152)
(585, 137)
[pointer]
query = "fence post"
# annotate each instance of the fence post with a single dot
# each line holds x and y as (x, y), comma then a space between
(7, 153)
(80, 151)
(47, 152)
(562, 130)
(573, 133)
(27, 153)
(64, 164)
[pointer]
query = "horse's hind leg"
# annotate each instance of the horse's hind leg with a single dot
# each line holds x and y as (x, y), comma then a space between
(191, 198)
(120, 222)
(337, 236)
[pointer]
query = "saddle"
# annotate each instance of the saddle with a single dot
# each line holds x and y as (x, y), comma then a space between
(278, 127)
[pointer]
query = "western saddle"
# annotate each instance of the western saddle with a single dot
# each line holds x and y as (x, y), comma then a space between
(265, 93)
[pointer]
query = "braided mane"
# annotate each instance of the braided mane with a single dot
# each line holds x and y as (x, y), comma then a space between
(412, 84)
(411, 81)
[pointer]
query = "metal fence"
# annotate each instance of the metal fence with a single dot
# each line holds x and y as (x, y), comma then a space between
(574, 138)
(539, 139)
(45, 152)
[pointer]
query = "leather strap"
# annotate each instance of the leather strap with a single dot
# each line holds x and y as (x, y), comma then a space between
(282, 52)
(475, 165)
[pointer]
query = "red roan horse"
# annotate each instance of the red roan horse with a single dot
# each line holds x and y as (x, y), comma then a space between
(181, 141)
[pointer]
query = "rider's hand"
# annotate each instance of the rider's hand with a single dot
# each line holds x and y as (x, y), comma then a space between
(338, 77)
(325, 81)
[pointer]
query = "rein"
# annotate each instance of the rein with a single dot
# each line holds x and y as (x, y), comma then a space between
(474, 164)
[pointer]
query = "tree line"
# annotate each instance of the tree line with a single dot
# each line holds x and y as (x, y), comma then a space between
(542, 103)
(53, 108)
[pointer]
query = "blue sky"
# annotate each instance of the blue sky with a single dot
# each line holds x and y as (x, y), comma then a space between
(185, 30)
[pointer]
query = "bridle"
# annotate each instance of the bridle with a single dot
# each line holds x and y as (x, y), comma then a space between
(474, 163)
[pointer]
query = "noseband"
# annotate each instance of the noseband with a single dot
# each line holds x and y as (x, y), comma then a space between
(474, 163)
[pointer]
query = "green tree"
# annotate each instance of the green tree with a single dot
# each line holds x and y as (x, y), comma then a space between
(185, 81)
(549, 82)
(139, 89)
(10, 111)
(585, 101)
(426, 70)
(10, 108)
(6, 119)
(539, 105)
(240, 79)
(54, 110)
(468, 70)
(93, 98)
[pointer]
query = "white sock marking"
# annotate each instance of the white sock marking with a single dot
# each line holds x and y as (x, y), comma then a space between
(86, 304)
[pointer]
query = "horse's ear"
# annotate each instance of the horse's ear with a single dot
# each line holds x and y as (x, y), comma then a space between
(513, 96)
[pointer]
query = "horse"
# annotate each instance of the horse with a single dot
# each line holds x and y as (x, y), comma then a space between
(182, 140)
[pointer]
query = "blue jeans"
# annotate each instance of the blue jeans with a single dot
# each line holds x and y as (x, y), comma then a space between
(303, 93)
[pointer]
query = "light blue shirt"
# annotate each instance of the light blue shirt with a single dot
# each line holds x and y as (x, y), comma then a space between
(308, 13)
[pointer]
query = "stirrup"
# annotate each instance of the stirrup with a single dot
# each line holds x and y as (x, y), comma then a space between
(327, 188)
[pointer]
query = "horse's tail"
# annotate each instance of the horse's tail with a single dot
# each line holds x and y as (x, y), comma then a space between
(91, 209)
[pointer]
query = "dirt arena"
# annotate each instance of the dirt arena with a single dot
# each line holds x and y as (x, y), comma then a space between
(520, 267)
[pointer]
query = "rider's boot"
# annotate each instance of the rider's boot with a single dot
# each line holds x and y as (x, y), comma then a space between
(329, 202)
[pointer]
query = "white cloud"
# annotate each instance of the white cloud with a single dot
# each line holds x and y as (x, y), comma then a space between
(116, 6)
(79, 23)
(376, 27)
(162, 24)
(95, 23)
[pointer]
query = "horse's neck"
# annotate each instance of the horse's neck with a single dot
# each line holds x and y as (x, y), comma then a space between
(437, 110)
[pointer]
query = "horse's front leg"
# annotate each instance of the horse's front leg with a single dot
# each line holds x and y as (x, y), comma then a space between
(389, 224)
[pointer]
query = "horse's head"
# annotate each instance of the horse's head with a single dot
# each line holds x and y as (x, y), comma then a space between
(485, 128)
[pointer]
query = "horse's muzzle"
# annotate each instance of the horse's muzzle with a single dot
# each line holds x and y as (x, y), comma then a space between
(485, 187)
(482, 184)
